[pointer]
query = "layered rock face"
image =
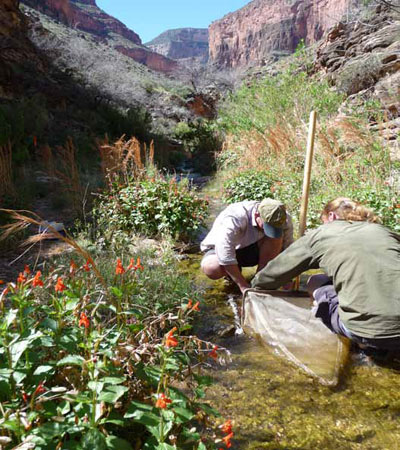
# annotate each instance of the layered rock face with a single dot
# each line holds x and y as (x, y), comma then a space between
(264, 27)
(86, 16)
(182, 44)
(17, 52)
(362, 59)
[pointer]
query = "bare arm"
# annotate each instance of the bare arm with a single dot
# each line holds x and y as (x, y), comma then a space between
(269, 249)
(236, 275)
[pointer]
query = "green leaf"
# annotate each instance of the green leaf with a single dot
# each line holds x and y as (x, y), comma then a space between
(112, 380)
(112, 393)
(208, 409)
(115, 443)
(201, 446)
(51, 324)
(71, 360)
(93, 440)
(164, 446)
(142, 413)
(18, 347)
(117, 292)
(43, 370)
(95, 386)
(183, 414)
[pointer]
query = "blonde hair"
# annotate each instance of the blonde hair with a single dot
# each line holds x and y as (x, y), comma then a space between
(347, 209)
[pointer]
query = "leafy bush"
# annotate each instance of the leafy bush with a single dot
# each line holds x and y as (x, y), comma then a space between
(202, 141)
(152, 207)
(248, 185)
(86, 363)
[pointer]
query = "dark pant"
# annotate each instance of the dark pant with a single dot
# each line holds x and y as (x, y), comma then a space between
(327, 310)
(246, 256)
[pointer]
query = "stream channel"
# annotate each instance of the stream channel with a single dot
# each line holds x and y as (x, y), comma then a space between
(274, 405)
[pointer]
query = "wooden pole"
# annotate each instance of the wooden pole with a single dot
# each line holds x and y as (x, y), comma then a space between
(306, 181)
(307, 174)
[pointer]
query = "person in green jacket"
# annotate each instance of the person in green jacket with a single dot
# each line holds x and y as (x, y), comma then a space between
(359, 295)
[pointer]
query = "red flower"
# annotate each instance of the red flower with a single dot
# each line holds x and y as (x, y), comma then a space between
(60, 286)
(25, 396)
(196, 307)
(138, 265)
(35, 141)
(119, 269)
(134, 266)
(213, 354)
(36, 279)
(227, 440)
(72, 266)
(227, 427)
(170, 340)
(39, 390)
(189, 305)
(21, 278)
(27, 270)
(162, 401)
(86, 267)
(84, 321)
(1, 282)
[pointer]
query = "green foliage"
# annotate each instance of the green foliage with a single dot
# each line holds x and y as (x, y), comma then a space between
(154, 206)
(248, 185)
(84, 363)
(202, 141)
(287, 99)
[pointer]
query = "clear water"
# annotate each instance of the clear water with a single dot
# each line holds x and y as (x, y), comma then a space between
(276, 406)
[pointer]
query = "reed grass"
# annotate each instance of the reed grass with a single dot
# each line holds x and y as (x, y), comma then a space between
(7, 187)
(124, 160)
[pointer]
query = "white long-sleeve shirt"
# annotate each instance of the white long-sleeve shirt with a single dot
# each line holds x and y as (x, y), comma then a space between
(235, 227)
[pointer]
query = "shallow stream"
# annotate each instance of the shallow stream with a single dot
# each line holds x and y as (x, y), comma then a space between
(275, 406)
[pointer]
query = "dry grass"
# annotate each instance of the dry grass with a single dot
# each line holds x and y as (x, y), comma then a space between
(282, 148)
(7, 188)
(21, 220)
(125, 159)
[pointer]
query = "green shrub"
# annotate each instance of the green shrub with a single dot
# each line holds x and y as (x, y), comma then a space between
(152, 207)
(202, 141)
(248, 185)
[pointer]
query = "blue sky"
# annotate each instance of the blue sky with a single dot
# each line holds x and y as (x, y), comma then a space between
(149, 18)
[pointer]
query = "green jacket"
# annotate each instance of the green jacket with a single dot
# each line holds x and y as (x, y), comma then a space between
(363, 260)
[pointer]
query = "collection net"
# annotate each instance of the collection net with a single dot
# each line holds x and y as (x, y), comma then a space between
(285, 320)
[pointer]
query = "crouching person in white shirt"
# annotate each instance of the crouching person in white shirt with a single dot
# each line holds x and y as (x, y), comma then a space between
(246, 234)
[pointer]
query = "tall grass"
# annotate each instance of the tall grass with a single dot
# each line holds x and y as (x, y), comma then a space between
(125, 159)
(266, 125)
(7, 187)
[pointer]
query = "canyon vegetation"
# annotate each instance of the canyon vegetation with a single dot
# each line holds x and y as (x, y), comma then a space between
(131, 147)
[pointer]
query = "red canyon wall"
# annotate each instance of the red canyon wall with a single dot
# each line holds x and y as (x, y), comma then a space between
(262, 27)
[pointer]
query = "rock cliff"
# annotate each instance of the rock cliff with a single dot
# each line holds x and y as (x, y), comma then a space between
(263, 27)
(182, 44)
(86, 16)
(17, 54)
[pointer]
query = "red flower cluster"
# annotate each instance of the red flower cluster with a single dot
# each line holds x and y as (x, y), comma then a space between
(162, 401)
(133, 266)
(170, 340)
(27, 270)
(119, 269)
(21, 278)
(213, 353)
(60, 286)
(86, 267)
(72, 267)
(39, 390)
(84, 321)
(227, 429)
(36, 281)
